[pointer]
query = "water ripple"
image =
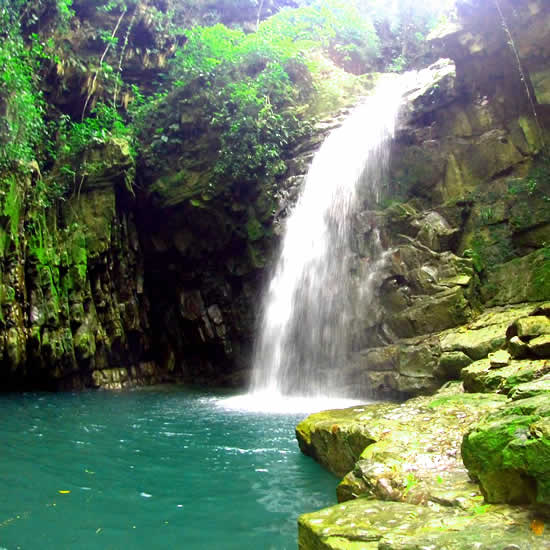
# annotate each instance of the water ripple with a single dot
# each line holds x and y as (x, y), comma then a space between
(151, 469)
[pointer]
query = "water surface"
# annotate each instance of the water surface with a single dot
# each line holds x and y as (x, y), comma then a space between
(151, 469)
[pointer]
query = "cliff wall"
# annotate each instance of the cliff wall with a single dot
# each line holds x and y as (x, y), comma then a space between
(150, 267)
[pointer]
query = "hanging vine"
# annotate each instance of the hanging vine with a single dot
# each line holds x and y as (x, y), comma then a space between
(123, 50)
(522, 74)
(92, 88)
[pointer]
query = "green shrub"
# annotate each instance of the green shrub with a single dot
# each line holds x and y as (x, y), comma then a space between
(22, 125)
(252, 84)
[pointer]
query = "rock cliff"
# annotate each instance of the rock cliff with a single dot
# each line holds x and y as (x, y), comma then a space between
(150, 268)
(466, 468)
(462, 296)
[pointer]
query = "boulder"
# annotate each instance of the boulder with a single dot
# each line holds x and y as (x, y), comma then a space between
(517, 348)
(482, 377)
(531, 327)
(508, 452)
(477, 343)
(417, 459)
(452, 363)
(540, 346)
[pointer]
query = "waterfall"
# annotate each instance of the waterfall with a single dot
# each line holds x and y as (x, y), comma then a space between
(303, 337)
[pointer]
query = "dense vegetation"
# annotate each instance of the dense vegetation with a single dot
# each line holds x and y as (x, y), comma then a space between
(255, 80)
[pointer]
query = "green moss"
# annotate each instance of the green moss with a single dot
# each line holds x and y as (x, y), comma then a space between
(264, 205)
(490, 247)
(11, 211)
(7, 294)
(37, 240)
(12, 208)
(509, 455)
(181, 186)
(257, 255)
(79, 254)
(414, 170)
(541, 272)
(464, 399)
(254, 229)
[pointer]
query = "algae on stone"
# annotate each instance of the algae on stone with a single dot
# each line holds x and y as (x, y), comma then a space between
(481, 377)
(417, 458)
(508, 452)
(336, 438)
(364, 524)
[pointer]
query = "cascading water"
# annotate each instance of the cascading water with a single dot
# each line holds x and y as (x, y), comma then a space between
(304, 332)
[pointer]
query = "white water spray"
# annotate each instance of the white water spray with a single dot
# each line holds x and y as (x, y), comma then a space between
(304, 332)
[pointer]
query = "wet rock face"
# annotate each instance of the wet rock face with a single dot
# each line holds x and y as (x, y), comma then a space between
(74, 305)
(174, 278)
(463, 229)
(208, 242)
(424, 458)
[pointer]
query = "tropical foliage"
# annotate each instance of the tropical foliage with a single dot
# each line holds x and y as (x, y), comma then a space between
(253, 85)
(253, 82)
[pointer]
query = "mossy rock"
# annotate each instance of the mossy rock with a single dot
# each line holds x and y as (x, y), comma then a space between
(108, 163)
(482, 377)
(532, 326)
(509, 452)
(531, 389)
(178, 187)
(375, 525)
(476, 344)
(540, 346)
(254, 229)
(417, 459)
(336, 438)
(530, 281)
(416, 169)
(452, 363)
(431, 314)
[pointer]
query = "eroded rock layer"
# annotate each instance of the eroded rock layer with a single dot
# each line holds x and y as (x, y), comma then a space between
(449, 470)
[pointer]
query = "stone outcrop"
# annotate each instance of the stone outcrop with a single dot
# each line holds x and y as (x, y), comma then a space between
(416, 459)
(73, 299)
(424, 458)
(375, 525)
(419, 492)
(174, 273)
(467, 226)
(337, 438)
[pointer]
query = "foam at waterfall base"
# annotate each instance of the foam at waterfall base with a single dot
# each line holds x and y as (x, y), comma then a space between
(276, 403)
